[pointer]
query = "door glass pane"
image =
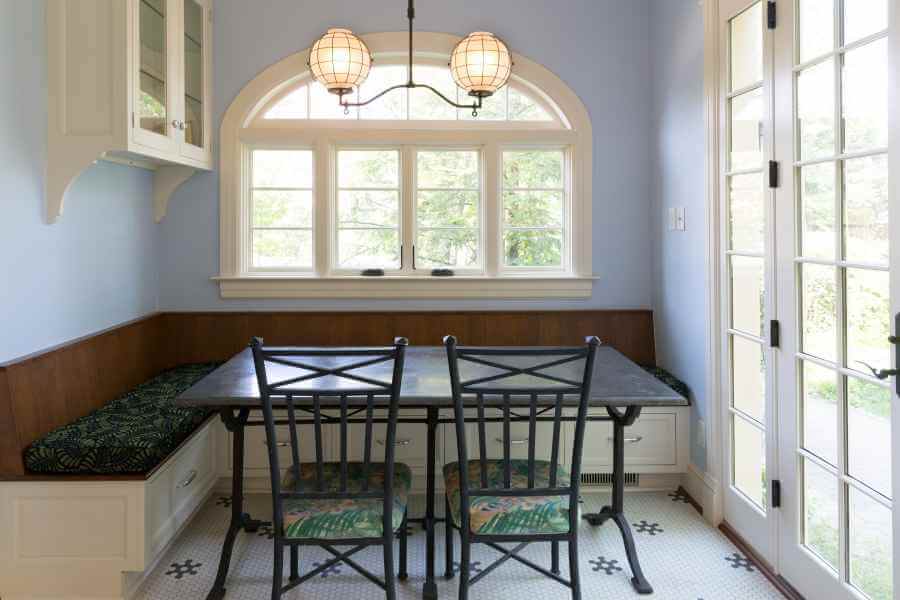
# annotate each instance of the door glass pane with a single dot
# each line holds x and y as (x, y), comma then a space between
(747, 294)
(865, 97)
(863, 18)
(193, 73)
(748, 377)
(747, 112)
(820, 512)
(815, 110)
(750, 461)
(816, 27)
(866, 209)
(819, 311)
(870, 546)
(747, 47)
(746, 211)
(152, 105)
(817, 203)
(868, 314)
(869, 434)
(820, 411)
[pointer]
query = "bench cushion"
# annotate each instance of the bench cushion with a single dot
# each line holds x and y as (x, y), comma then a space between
(130, 435)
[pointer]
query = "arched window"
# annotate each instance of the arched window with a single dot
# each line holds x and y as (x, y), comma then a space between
(407, 196)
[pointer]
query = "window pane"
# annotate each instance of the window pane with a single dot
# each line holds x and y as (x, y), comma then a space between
(492, 109)
(523, 108)
(866, 209)
(747, 47)
(820, 511)
(282, 169)
(282, 248)
(815, 110)
(455, 248)
(750, 461)
(454, 169)
(871, 555)
(868, 318)
(747, 112)
(818, 311)
(747, 294)
(152, 109)
(390, 106)
(869, 434)
(425, 104)
(748, 375)
(531, 169)
(818, 210)
(448, 209)
(532, 248)
(864, 17)
(294, 105)
(816, 22)
(368, 209)
(820, 411)
(368, 169)
(865, 97)
(282, 209)
(363, 248)
(746, 211)
(533, 209)
(325, 105)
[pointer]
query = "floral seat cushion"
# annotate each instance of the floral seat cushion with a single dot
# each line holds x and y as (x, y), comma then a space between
(499, 515)
(130, 435)
(348, 518)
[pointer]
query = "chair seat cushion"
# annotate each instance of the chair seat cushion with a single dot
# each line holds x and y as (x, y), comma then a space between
(344, 518)
(130, 435)
(503, 515)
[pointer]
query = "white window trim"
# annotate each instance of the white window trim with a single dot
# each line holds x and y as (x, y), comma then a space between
(241, 128)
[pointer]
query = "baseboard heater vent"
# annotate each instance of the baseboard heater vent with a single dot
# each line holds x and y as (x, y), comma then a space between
(606, 479)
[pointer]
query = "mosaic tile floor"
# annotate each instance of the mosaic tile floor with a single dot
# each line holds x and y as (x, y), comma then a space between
(683, 557)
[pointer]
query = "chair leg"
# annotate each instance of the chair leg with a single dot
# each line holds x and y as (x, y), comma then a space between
(402, 575)
(448, 541)
(390, 585)
(573, 568)
(554, 558)
(464, 560)
(277, 570)
(295, 563)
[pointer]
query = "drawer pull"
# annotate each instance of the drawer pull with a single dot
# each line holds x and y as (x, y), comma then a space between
(189, 479)
(403, 442)
(629, 440)
(513, 442)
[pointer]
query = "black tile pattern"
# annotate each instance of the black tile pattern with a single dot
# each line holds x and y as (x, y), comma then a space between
(601, 563)
(179, 570)
(474, 567)
(648, 528)
(224, 501)
(739, 561)
(266, 531)
(334, 569)
(679, 495)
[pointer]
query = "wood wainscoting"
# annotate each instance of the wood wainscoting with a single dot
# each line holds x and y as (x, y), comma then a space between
(44, 391)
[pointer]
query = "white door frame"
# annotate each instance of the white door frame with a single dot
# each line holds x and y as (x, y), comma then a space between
(894, 216)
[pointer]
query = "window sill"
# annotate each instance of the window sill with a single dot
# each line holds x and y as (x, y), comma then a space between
(405, 287)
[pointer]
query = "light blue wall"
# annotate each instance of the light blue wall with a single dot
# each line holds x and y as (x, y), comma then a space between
(98, 266)
(599, 47)
(678, 174)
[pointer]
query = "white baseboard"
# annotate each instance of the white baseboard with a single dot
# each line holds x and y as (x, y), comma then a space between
(704, 488)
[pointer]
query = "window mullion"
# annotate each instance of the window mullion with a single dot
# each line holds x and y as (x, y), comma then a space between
(408, 208)
(323, 208)
(490, 209)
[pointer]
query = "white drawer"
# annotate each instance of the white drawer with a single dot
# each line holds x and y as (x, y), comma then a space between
(651, 440)
(410, 445)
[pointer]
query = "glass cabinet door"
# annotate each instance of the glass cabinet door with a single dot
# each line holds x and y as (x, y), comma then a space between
(153, 110)
(194, 65)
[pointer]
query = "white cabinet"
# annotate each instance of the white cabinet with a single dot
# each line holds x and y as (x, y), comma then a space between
(128, 81)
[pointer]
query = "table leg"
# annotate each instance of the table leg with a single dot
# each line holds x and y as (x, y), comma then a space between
(616, 510)
(239, 519)
(429, 592)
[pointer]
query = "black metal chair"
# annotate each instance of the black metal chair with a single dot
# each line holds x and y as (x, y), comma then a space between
(344, 503)
(494, 501)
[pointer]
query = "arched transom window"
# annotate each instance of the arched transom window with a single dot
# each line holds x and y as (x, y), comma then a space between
(407, 196)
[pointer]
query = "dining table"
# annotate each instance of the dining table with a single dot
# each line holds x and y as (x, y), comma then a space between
(618, 386)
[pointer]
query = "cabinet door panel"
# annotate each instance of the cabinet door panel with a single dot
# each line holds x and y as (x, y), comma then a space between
(155, 23)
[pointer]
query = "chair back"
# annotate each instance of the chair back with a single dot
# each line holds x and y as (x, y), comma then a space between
(316, 383)
(513, 381)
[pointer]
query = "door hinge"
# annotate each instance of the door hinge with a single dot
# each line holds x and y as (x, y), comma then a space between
(773, 174)
(776, 493)
(775, 333)
(771, 15)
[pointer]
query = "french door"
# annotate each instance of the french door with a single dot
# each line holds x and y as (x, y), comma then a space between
(807, 249)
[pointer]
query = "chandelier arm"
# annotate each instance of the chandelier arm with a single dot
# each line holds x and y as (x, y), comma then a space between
(474, 106)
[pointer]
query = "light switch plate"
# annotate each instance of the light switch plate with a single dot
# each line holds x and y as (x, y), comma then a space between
(679, 218)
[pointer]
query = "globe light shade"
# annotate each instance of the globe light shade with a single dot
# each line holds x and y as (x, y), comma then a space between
(340, 61)
(480, 64)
